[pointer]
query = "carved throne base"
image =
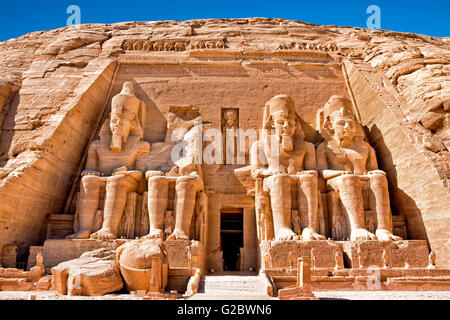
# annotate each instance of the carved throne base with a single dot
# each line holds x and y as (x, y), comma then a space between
(399, 254)
(364, 265)
(353, 254)
(284, 254)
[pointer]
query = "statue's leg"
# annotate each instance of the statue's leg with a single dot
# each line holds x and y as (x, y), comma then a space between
(186, 190)
(117, 188)
(89, 203)
(308, 200)
(158, 197)
(280, 197)
(350, 192)
(379, 188)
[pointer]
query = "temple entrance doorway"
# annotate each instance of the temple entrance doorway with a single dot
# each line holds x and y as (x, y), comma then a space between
(231, 238)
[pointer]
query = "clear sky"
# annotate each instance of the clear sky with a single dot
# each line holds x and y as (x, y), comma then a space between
(432, 17)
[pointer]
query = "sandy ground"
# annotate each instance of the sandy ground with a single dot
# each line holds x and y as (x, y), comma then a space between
(328, 295)
(384, 295)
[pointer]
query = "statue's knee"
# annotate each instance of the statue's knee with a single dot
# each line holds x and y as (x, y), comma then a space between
(309, 178)
(350, 181)
(90, 183)
(116, 179)
(121, 181)
(280, 179)
(349, 178)
(186, 183)
(309, 173)
(379, 180)
(157, 182)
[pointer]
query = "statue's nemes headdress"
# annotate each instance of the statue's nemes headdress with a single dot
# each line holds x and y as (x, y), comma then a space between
(285, 104)
(336, 106)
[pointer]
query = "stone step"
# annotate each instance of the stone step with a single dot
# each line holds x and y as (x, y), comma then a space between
(230, 284)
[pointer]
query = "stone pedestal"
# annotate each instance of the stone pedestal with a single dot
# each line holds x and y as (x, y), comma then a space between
(302, 291)
(399, 254)
(279, 253)
(34, 250)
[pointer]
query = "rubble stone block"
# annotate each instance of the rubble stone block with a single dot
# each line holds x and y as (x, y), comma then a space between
(95, 273)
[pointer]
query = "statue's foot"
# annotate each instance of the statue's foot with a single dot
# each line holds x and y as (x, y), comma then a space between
(286, 235)
(83, 234)
(362, 234)
(103, 234)
(154, 234)
(385, 235)
(178, 235)
(309, 234)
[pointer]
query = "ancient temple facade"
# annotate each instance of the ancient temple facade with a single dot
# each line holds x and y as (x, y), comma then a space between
(178, 150)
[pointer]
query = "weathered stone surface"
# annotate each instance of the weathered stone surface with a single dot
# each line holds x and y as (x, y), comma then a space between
(417, 176)
(365, 254)
(284, 254)
(184, 254)
(95, 273)
(45, 283)
(30, 196)
(15, 284)
(57, 251)
(35, 252)
(9, 256)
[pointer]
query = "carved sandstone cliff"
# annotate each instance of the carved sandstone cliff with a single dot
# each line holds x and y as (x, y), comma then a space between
(54, 88)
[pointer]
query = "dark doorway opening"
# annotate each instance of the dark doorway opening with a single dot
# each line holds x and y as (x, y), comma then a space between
(232, 237)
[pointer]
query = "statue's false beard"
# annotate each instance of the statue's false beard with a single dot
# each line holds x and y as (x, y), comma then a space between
(287, 143)
(345, 141)
(116, 142)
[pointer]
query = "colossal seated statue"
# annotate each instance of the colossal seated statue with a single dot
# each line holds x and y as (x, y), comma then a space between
(111, 164)
(188, 179)
(347, 163)
(278, 161)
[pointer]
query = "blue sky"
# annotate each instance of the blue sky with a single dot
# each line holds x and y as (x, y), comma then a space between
(18, 17)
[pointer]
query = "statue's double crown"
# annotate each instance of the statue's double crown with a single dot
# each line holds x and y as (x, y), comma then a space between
(283, 103)
(338, 104)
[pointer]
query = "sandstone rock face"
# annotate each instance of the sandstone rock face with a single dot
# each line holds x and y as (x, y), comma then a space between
(56, 85)
(95, 273)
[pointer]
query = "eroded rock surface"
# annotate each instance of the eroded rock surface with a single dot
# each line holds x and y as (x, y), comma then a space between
(95, 273)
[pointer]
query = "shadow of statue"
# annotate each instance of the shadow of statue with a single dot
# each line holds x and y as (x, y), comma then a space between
(401, 202)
